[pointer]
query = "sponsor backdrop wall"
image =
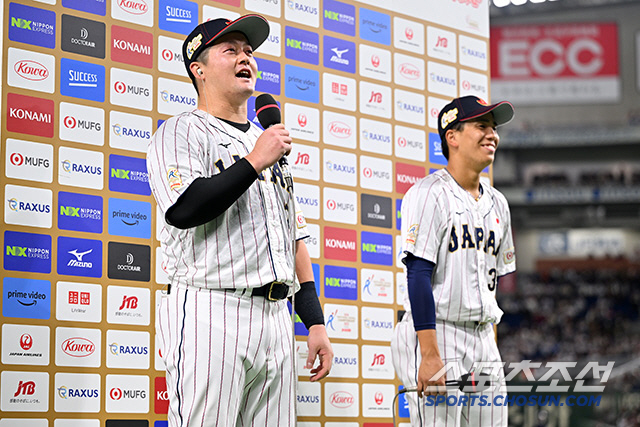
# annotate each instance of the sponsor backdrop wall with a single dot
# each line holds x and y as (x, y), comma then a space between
(87, 82)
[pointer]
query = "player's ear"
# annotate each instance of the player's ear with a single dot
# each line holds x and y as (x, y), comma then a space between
(196, 70)
(452, 137)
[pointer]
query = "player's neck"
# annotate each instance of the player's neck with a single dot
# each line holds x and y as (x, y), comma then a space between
(222, 107)
(466, 178)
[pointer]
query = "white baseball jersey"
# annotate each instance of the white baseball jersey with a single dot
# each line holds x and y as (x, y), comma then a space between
(469, 241)
(247, 246)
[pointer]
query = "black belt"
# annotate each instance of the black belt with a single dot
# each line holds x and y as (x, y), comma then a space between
(274, 291)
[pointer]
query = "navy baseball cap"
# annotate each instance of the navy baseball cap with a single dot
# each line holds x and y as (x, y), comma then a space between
(470, 107)
(254, 27)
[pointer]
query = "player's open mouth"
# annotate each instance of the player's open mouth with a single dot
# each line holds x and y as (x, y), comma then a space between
(490, 147)
(244, 74)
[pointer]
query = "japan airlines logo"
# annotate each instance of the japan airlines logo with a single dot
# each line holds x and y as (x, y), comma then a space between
(408, 32)
(26, 342)
(302, 120)
(375, 61)
(379, 398)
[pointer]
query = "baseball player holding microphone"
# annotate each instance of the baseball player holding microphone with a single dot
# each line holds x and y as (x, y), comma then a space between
(232, 238)
(457, 242)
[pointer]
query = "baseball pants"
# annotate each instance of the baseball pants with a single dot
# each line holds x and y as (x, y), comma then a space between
(228, 359)
(461, 344)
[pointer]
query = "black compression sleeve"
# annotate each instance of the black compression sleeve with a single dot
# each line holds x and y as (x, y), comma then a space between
(308, 305)
(207, 198)
(423, 306)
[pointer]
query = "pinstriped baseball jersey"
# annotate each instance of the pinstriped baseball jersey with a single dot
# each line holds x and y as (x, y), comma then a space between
(247, 246)
(469, 241)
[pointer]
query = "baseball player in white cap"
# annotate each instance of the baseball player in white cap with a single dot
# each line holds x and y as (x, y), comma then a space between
(233, 248)
(457, 242)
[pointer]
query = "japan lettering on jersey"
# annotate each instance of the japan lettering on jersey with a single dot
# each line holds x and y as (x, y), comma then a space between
(469, 241)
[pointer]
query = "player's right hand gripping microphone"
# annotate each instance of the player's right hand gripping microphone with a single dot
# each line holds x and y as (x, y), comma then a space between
(268, 113)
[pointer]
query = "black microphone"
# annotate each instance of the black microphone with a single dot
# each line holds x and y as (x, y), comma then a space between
(268, 113)
(468, 383)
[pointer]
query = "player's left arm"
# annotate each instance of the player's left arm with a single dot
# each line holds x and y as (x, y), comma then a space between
(310, 312)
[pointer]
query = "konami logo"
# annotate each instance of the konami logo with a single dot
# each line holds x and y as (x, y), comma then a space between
(339, 129)
(31, 70)
(134, 7)
(407, 175)
(341, 399)
(33, 116)
(340, 243)
(78, 347)
(131, 46)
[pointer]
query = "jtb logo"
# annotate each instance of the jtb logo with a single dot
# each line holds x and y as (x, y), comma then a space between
(25, 388)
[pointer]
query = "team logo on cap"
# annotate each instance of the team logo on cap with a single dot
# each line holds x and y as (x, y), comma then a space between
(449, 117)
(193, 45)
(482, 102)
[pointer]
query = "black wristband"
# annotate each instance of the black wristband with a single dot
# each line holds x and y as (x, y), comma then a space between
(308, 305)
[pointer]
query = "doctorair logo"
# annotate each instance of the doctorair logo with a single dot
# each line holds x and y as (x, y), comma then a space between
(301, 45)
(407, 175)
(129, 262)
(340, 282)
(79, 257)
(29, 115)
(128, 175)
(80, 212)
(27, 252)
(131, 47)
(340, 244)
(26, 298)
(32, 25)
(375, 211)
(83, 36)
(377, 248)
(268, 78)
(339, 17)
(339, 54)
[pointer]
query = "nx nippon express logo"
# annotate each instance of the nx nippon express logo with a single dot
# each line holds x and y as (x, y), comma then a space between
(129, 262)
(339, 17)
(82, 80)
(132, 47)
(375, 26)
(79, 257)
(302, 84)
(377, 248)
(97, 7)
(301, 45)
(340, 244)
(29, 115)
(178, 16)
(83, 36)
(79, 212)
(129, 218)
(27, 252)
(340, 282)
(32, 25)
(268, 79)
(339, 54)
(128, 175)
(375, 210)
(26, 298)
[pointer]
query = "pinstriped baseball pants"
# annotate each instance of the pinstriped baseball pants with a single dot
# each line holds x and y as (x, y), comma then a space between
(228, 359)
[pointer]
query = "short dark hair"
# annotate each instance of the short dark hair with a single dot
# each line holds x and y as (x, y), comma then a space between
(445, 147)
(202, 57)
